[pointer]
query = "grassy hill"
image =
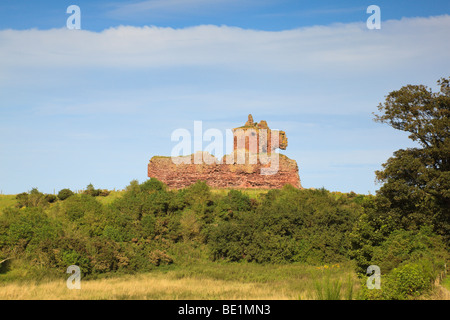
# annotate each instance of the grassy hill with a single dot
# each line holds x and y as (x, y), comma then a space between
(7, 201)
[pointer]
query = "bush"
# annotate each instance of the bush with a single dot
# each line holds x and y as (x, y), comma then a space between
(410, 246)
(158, 257)
(90, 190)
(78, 206)
(22, 200)
(64, 194)
(408, 281)
(151, 184)
(104, 193)
(34, 198)
(29, 233)
(50, 198)
(289, 225)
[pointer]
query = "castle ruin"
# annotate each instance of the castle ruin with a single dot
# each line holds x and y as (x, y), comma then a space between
(252, 164)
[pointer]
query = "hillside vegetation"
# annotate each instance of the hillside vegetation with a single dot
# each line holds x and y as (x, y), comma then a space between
(147, 228)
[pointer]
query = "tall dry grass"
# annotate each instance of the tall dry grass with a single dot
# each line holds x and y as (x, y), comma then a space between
(205, 282)
(145, 287)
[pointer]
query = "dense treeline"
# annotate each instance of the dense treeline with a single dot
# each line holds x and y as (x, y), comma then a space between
(148, 224)
(288, 225)
(135, 231)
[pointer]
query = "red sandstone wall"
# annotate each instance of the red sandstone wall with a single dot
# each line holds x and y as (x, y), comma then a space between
(178, 176)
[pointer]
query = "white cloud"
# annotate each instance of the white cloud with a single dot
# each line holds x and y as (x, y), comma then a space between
(340, 49)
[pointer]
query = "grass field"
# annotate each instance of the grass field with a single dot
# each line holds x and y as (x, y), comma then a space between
(252, 193)
(7, 200)
(212, 281)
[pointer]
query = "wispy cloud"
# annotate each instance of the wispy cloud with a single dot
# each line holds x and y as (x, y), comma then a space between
(345, 48)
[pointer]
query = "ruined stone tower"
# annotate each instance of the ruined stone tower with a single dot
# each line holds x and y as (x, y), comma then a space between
(258, 138)
(252, 164)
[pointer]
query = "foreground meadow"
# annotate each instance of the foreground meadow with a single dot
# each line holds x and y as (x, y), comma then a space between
(235, 281)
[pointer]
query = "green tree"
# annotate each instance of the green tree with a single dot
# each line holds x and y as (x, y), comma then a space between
(90, 190)
(33, 198)
(416, 181)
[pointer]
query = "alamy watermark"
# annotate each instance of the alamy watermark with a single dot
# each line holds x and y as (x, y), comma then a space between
(74, 281)
(374, 280)
(250, 146)
(74, 21)
(374, 21)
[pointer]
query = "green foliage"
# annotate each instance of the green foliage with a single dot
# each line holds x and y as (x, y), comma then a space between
(136, 231)
(50, 198)
(77, 206)
(90, 190)
(402, 246)
(234, 202)
(148, 226)
(405, 229)
(408, 281)
(34, 198)
(22, 200)
(198, 196)
(29, 233)
(63, 194)
(150, 185)
(416, 189)
(190, 226)
(290, 225)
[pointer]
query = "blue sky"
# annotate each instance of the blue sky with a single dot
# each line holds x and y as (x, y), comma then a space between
(94, 105)
(253, 14)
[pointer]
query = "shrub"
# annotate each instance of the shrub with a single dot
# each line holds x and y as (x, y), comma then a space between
(235, 201)
(190, 226)
(34, 198)
(408, 281)
(50, 198)
(151, 184)
(148, 226)
(289, 225)
(198, 197)
(158, 257)
(104, 193)
(22, 200)
(90, 190)
(77, 206)
(409, 246)
(113, 233)
(64, 194)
